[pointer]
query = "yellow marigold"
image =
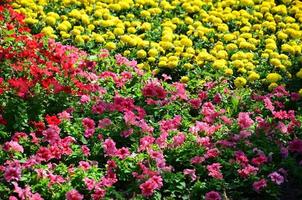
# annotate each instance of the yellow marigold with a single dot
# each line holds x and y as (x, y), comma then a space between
(299, 73)
(253, 76)
(47, 30)
(184, 79)
(273, 77)
(141, 53)
(79, 40)
(240, 82)
(272, 86)
(118, 31)
(188, 66)
(110, 45)
(153, 52)
(219, 64)
(300, 92)
(228, 72)
(50, 20)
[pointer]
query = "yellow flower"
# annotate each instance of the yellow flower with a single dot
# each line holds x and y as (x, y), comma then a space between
(184, 79)
(91, 27)
(228, 72)
(110, 45)
(153, 52)
(48, 31)
(141, 53)
(272, 86)
(188, 66)
(300, 92)
(219, 64)
(50, 20)
(118, 31)
(186, 42)
(240, 82)
(273, 77)
(253, 76)
(299, 73)
(79, 40)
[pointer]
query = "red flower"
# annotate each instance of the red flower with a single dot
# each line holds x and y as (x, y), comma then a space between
(53, 120)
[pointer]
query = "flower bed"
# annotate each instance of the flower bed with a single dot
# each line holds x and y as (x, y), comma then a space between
(94, 126)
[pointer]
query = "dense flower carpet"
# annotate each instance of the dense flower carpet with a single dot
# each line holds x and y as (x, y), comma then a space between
(150, 99)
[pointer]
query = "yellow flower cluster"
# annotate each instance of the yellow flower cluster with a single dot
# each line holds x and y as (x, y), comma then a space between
(250, 40)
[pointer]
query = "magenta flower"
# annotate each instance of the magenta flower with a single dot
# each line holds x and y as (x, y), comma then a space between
(74, 195)
(276, 178)
(258, 185)
(213, 195)
(214, 170)
(244, 120)
(109, 147)
(295, 146)
(191, 173)
(12, 173)
(150, 185)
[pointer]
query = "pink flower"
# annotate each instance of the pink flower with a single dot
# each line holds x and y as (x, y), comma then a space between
(268, 104)
(244, 120)
(85, 150)
(127, 133)
(197, 160)
(241, 157)
(145, 142)
(195, 103)
(84, 99)
(295, 146)
(178, 139)
(122, 153)
(88, 123)
(150, 185)
(276, 177)
(99, 193)
(213, 195)
(211, 153)
(90, 183)
(13, 146)
(247, 171)
(64, 115)
(103, 123)
(258, 185)
(154, 89)
(109, 147)
(52, 134)
(12, 173)
(84, 165)
(74, 195)
(214, 170)
(191, 173)
(261, 159)
(104, 53)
